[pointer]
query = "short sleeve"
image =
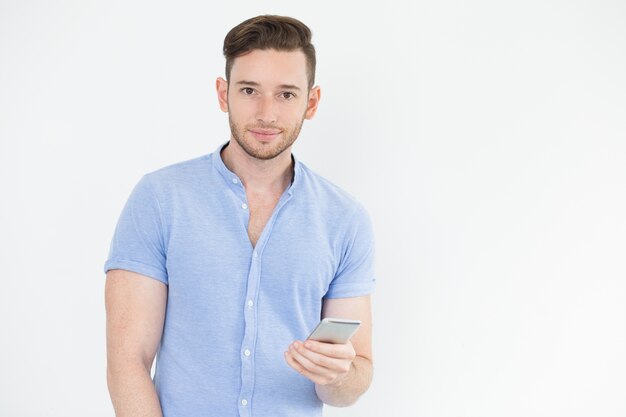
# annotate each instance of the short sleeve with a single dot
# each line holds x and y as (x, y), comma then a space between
(138, 241)
(355, 274)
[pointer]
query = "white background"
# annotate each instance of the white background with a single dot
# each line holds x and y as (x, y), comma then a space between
(487, 140)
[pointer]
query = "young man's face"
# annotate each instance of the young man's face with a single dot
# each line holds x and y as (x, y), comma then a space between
(267, 99)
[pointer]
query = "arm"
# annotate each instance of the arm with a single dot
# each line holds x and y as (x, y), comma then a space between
(135, 309)
(341, 372)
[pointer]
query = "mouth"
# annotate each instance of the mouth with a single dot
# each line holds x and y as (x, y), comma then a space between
(264, 135)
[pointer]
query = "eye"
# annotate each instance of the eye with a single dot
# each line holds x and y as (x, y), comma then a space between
(287, 95)
(247, 90)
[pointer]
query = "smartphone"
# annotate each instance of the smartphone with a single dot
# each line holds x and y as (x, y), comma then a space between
(332, 330)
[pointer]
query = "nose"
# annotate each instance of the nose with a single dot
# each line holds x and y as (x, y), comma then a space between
(266, 110)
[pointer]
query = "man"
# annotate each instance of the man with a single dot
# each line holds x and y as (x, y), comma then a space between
(225, 263)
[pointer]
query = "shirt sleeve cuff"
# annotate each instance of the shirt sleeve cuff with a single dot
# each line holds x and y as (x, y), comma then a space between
(350, 289)
(138, 267)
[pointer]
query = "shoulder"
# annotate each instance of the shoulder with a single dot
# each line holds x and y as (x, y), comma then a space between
(183, 174)
(337, 202)
(173, 182)
(180, 171)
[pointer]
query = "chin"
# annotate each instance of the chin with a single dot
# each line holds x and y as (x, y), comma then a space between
(264, 150)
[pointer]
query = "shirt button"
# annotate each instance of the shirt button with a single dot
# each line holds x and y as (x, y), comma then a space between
(235, 181)
(244, 402)
(246, 352)
(244, 206)
(250, 303)
(256, 255)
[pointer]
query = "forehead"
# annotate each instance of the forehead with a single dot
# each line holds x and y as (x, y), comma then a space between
(271, 68)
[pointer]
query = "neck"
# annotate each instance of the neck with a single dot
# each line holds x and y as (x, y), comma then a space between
(257, 174)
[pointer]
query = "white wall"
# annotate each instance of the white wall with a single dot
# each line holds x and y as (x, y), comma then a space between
(486, 138)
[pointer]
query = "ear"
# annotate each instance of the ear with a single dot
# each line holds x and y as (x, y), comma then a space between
(221, 85)
(314, 100)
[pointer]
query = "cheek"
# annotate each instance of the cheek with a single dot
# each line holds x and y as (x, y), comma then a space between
(295, 113)
(240, 110)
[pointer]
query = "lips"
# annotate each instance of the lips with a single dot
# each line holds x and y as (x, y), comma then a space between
(265, 134)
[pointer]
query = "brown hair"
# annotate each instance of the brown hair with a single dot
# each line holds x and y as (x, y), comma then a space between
(281, 33)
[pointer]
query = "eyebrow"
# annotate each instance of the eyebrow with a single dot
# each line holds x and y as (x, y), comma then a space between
(255, 84)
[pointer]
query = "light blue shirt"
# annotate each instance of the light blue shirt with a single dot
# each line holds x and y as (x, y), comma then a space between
(233, 309)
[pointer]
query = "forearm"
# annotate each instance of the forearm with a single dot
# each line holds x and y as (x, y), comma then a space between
(347, 391)
(132, 392)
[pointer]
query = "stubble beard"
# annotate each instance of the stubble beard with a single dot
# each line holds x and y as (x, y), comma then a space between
(264, 151)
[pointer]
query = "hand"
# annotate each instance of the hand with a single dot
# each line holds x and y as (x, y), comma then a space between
(322, 363)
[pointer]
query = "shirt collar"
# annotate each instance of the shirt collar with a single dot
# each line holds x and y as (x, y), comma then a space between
(228, 175)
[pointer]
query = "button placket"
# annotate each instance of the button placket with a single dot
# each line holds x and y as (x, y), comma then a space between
(250, 311)
(249, 337)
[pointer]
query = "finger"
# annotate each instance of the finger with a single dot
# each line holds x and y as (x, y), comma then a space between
(295, 365)
(307, 363)
(324, 361)
(333, 350)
